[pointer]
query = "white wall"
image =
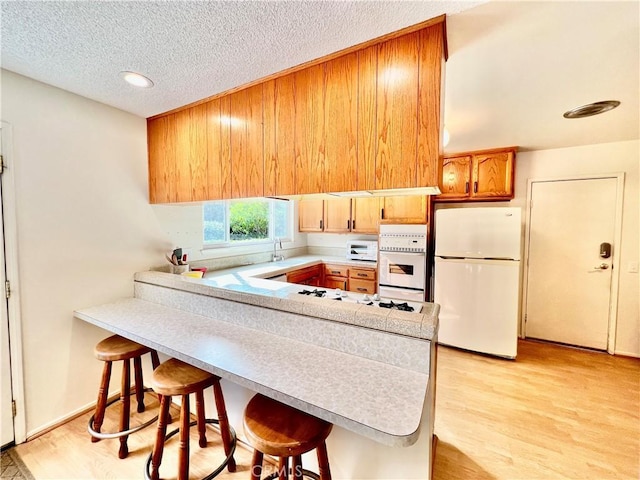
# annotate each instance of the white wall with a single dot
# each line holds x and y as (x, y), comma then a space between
(598, 159)
(84, 227)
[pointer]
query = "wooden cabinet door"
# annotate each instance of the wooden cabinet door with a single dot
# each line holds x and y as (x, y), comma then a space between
(191, 154)
(247, 162)
(404, 209)
(310, 216)
(279, 115)
(367, 126)
(493, 175)
(219, 149)
(397, 112)
(430, 104)
(365, 215)
(340, 123)
(456, 177)
(337, 215)
(162, 140)
(309, 136)
(362, 286)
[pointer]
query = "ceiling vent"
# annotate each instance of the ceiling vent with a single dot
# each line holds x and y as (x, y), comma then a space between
(591, 109)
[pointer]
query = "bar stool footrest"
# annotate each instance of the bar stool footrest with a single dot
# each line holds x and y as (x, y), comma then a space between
(106, 435)
(220, 468)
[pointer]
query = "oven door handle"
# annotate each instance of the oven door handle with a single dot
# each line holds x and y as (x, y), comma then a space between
(385, 252)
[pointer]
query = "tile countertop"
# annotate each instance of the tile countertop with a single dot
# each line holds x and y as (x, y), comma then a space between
(250, 284)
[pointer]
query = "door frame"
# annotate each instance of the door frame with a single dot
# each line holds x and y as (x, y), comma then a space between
(11, 265)
(615, 260)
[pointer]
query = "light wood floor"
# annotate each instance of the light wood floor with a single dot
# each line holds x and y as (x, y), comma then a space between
(554, 413)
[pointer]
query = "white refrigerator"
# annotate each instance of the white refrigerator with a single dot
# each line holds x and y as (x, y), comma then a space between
(477, 278)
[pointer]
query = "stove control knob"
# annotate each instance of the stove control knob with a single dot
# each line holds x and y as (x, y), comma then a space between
(365, 298)
(376, 297)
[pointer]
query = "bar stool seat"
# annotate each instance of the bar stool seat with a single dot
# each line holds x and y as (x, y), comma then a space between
(276, 429)
(175, 377)
(112, 349)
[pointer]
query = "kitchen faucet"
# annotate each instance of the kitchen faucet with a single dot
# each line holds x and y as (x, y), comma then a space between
(277, 257)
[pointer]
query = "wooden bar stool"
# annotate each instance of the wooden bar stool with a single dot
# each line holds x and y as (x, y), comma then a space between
(175, 377)
(276, 429)
(110, 350)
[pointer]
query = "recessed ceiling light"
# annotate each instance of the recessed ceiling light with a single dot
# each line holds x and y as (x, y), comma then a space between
(136, 79)
(591, 109)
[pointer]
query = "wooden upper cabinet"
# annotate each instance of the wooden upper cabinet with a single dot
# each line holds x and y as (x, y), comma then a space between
(367, 127)
(493, 175)
(162, 139)
(456, 177)
(365, 215)
(431, 67)
(404, 209)
(309, 136)
(341, 123)
(219, 148)
(311, 216)
(480, 175)
(247, 162)
(178, 156)
(337, 215)
(397, 112)
(279, 122)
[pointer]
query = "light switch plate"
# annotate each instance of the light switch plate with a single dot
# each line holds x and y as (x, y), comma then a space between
(632, 267)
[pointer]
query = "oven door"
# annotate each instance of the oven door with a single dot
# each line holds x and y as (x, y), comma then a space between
(402, 269)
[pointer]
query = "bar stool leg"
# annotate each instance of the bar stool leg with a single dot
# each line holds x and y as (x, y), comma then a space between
(202, 436)
(126, 407)
(101, 406)
(297, 467)
(158, 446)
(256, 465)
(283, 468)
(183, 453)
(223, 420)
(137, 371)
(323, 462)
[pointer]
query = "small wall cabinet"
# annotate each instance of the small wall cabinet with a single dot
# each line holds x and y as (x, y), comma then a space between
(480, 175)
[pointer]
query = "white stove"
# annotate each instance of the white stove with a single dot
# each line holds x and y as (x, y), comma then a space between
(338, 295)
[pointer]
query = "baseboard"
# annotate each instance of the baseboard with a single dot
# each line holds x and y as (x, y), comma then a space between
(618, 353)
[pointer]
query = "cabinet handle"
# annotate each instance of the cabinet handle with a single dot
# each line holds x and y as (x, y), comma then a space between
(382, 213)
(362, 274)
(353, 224)
(361, 289)
(320, 224)
(466, 187)
(475, 187)
(334, 272)
(348, 224)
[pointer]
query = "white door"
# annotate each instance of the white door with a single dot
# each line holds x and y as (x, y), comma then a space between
(6, 417)
(568, 283)
(479, 302)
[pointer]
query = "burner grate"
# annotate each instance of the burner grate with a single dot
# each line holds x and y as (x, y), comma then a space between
(405, 307)
(315, 292)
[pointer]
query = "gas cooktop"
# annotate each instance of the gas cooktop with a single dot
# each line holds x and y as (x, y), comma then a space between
(373, 300)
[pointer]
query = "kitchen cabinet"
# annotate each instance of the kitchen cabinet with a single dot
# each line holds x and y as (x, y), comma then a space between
(309, 137)
(335, 276)
(311, 216)
(279, 115)
(404, 209)
(247, 162)
(480, 175)
(341, 123)
(340, 215)
(306, 276)
(362, 280)
(178, 157)
(368, 119)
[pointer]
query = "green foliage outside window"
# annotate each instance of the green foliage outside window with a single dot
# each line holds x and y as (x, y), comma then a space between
(248, 221)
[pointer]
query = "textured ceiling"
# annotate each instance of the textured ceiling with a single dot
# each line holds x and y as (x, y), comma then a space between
(513, 69)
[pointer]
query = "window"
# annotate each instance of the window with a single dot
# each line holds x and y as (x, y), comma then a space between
(244, 222)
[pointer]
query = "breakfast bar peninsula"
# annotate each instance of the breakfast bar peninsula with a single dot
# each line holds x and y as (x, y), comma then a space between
(369, 371)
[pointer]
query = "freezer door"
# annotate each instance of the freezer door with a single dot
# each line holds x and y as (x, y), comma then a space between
(479, 304)
(488, 232)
